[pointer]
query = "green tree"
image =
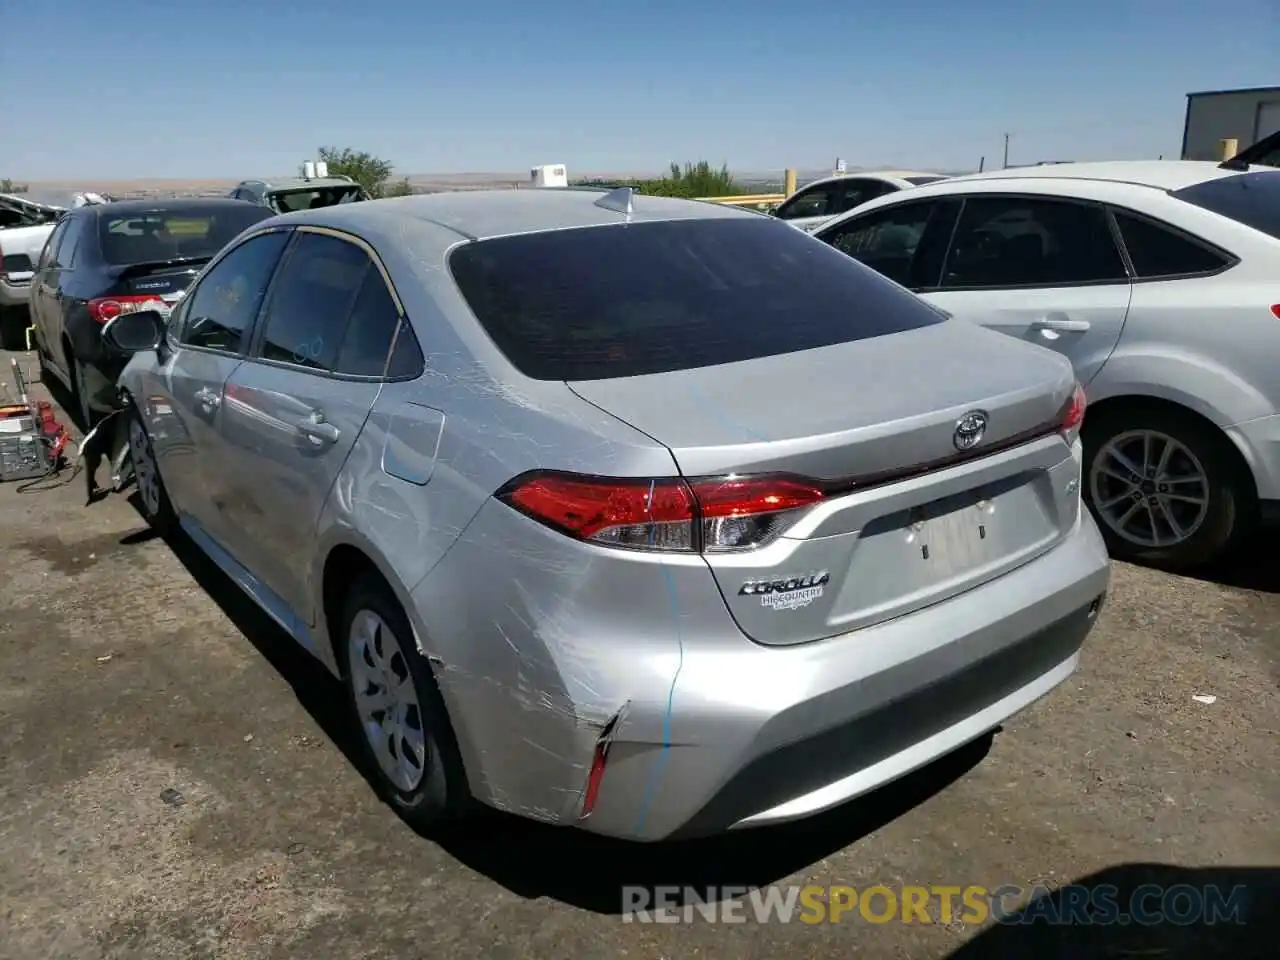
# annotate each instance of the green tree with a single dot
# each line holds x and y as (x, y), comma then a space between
(369, 171)
(8, 186)
(400, 188)
(691, 181)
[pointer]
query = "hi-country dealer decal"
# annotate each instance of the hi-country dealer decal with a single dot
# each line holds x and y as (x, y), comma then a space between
(787, 593)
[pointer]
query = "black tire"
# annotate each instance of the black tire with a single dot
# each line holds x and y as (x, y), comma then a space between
(441, 793)
(13, 329)
(47, 376)
(80, 392)
(1232, 504)
(156, 509)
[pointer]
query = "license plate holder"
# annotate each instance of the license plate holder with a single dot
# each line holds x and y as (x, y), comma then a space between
(955, 534)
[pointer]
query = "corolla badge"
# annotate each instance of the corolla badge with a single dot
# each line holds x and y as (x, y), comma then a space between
(787, 593)
(970, 429)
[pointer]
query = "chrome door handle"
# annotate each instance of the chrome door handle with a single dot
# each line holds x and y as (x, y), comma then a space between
(1061, 324)
(208, 399)
(319, 430)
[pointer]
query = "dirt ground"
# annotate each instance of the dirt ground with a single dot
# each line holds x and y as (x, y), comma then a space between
(175, 783)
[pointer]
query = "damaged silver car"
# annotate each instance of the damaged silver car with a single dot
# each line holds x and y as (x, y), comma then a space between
(644, 515)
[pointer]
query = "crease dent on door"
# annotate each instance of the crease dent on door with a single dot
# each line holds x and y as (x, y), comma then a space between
(289, 435)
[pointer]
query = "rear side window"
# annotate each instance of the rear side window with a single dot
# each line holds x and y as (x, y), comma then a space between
(51, 245)
(72, 242)
(1249, 198)
(1157, 251)
(331, 311)
(632, 299)
(1031, 242)
(371, 330)
(175, 233)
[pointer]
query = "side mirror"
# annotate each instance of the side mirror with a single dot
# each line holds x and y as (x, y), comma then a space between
(135, 332)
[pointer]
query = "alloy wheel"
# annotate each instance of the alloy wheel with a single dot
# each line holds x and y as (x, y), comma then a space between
(1149, 488)
(144, 468)
(387, 700)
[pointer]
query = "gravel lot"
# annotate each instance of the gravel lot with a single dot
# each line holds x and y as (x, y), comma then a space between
(129, 667)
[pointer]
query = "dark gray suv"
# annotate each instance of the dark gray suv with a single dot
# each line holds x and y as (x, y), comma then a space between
(300, 193)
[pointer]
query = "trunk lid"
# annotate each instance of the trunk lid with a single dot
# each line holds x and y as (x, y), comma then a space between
(910, 519)
(166, 279)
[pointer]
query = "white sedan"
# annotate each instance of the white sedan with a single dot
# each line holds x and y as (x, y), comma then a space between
(818, 202)
(1158, 280)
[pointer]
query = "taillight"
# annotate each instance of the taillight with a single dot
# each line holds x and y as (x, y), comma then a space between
(1275, 309)
(108, 308)
(705, 515)
(1073, 411)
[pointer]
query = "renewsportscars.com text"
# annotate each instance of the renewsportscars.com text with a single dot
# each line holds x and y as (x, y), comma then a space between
(1104, 904)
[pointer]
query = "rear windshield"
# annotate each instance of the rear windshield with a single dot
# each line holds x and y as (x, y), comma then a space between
(157, 235)
(1250, 198)
(289, 201)
(625, 300)
(921, 181)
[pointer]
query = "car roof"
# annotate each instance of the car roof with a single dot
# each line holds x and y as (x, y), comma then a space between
(482, 214)
(184, 204)
(875, 175)
(1157, 174)
(301, 183)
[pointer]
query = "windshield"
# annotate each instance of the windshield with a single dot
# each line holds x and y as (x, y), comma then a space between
(1250, 198)
(289, 201)
(151, 236)
(632, 299)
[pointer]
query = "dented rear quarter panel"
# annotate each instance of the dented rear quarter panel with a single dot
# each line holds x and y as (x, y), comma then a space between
(502, 621)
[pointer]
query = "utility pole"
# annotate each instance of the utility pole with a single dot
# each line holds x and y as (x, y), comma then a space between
(1006, 151)
(982, 162)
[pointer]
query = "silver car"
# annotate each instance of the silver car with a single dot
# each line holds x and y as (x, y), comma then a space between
(644, 515)
(1156, 278)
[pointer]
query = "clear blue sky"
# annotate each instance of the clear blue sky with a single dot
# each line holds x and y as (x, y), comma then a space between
(202, 88)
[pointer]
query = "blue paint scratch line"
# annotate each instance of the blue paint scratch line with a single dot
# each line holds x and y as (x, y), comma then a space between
(698, 394)
(655, 773)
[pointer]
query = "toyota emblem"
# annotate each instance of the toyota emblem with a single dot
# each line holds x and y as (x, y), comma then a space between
(970, 430)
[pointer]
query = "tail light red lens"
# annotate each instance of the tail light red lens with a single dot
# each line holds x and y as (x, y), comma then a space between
(1073, 411)
(108, 308)
(710, 515)
(1275, 310)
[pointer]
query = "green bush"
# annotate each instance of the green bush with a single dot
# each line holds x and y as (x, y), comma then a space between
(372, 173)
(693, 180)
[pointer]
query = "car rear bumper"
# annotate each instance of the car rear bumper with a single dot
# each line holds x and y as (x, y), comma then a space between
(707, 730)
(14, 294)
(1259, 442)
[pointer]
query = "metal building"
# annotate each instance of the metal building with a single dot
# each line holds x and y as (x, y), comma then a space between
(1245, 116)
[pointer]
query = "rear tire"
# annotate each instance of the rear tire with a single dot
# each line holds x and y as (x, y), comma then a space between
(153, 499)
(1165, 488)
(80, 390)
(12, 328)
(399, 716)
(47, 376)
